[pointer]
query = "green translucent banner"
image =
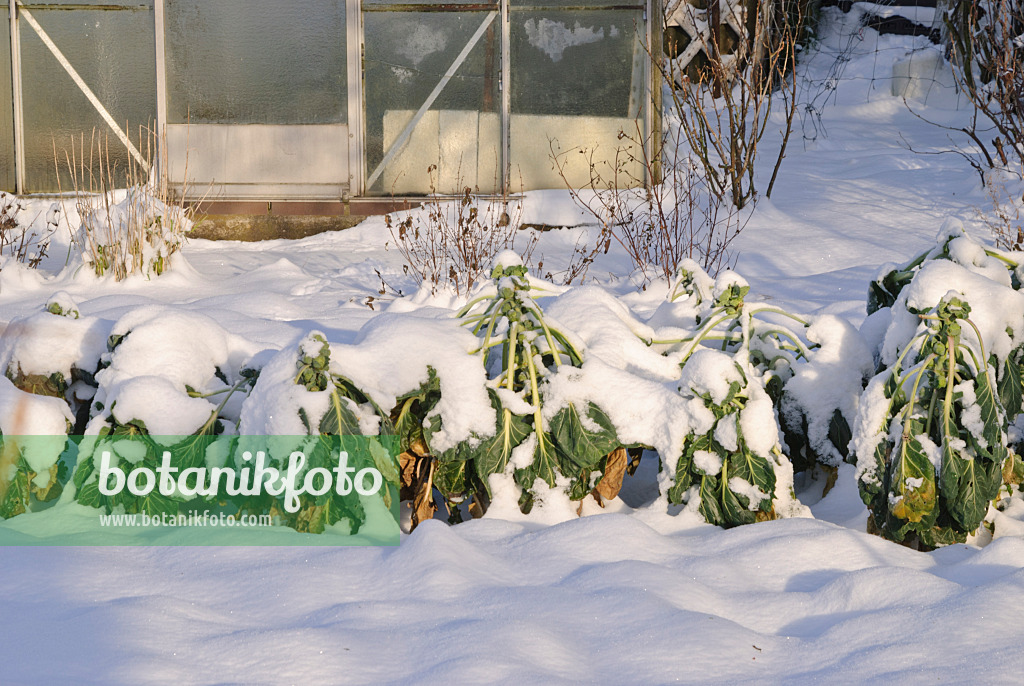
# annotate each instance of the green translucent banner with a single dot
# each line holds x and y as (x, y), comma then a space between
(136, 489)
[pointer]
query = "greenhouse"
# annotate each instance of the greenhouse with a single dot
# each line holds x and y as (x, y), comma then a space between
(323, 100)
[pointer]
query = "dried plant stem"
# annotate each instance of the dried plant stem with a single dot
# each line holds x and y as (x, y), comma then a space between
(988, 53)
(132, 231)
(659, 225)
(453, 240)
(724, 107)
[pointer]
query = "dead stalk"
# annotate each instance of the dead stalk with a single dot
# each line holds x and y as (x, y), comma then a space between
(136, 234)
(724, 106)
(453, 240)
(657, 225)
(988, 54)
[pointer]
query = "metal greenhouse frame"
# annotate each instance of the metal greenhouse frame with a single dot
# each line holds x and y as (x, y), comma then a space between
(329, 100)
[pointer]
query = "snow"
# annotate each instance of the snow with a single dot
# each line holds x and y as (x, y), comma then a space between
(712, 373)
(628, 401)
(627, 594)
(411, 345)
(831, 381)
(25, 414)
(276, 399)
(997, 310)
(593, 600)
(754, 494)
(611, 332)
(44, 343)
(757, 422)
(159, 404)
(186, 348)
(708, 462)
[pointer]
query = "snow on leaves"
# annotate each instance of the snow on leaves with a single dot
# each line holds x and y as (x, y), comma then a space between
(932, 435)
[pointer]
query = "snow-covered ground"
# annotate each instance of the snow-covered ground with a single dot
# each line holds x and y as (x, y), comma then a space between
(604, 599)
(631, 595)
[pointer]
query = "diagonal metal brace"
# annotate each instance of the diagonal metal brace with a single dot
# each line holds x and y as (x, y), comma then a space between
(80, 82)
(407, 131)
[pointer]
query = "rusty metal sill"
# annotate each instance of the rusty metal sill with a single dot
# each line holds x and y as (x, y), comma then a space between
(290, 208)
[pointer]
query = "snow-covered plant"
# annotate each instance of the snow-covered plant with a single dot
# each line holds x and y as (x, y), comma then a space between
(949, 387)
(130, 231)
(170, 380)
(931, 443)
(349, 410)
(33, 438)
(301, 393)
(818, 403)
(723, 319)
(55, 353)
(736, 361)
(414, 420)
(1011, 395)
(728, 472)
(524, 352)
(130, 223)
(169, 372)
(48, 360)
(23, 243)
(62, 305)
(542, 441)
(955, 245)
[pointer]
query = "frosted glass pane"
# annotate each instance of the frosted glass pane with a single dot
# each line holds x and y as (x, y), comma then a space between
(578, 79)
(113, 51)
(575, 63)
(129, 4)
(256, 62)
(407, 55)
(639, 4)
(6, 110)
(372, 5)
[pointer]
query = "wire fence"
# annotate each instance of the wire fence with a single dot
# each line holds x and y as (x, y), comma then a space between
(847, 29)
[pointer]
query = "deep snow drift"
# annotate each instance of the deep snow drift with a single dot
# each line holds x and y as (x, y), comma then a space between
(629, 595)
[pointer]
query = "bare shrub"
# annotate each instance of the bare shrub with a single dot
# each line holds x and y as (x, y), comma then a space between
(988, 56)
(584, 252)
(657, 225)
(452, 241)
(124, 231)
(723, 105)
(679, 194)
(19, 240)
(987, 52)
(1004, 217)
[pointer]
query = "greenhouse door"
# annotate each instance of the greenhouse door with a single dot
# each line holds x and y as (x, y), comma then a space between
(431, 82)
(253, 98)
(483, 94)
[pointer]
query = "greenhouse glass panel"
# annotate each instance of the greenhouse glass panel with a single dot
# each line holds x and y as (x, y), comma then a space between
(575, 4)
(578, 79)
(106, 4)
(427, 5)
(432, 98)
(112, 50)
(256, 62)
(7, 170)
